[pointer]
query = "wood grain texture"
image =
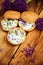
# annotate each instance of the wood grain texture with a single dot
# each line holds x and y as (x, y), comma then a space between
(41, 14)
(31, 39)
(38, 54)
(1, 4)
(7, 49)
(36, 6)
(34, 38)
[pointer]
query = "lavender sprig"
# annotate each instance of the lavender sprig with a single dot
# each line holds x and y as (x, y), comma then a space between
(29, 51)
(39, 24)
(18, 5)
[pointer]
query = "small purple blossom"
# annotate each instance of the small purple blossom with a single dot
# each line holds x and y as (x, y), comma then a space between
(16, 32)
(39, 24)
(32, 60)
(24, 22)
(17, 5)
(29, 51)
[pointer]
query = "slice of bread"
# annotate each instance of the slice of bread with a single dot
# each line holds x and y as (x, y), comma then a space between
(16, 36)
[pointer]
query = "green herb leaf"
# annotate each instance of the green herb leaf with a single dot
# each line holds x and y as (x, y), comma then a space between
(12, 1)
(28, 1)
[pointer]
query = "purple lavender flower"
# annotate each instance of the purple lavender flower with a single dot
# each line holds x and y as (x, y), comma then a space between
(18, 5)
(24, 22)
(32, 60)
(16, 32)
(39, 24)
(8, 5)
(29, 51)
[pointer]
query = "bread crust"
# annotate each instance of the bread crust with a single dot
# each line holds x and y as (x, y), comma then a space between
(10, 14)
(14, 42)
(29, 16)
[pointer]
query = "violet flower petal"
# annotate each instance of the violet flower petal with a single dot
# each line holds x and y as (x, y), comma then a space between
(33, 60)
(18, 5)
(39, 24)
(24, 22)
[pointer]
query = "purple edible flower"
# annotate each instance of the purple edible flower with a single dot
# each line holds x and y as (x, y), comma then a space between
(17, 5)
(16, 32)
(8, 5)
(24, 22)
(32, 60)
(29, 51)
(39, 24)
